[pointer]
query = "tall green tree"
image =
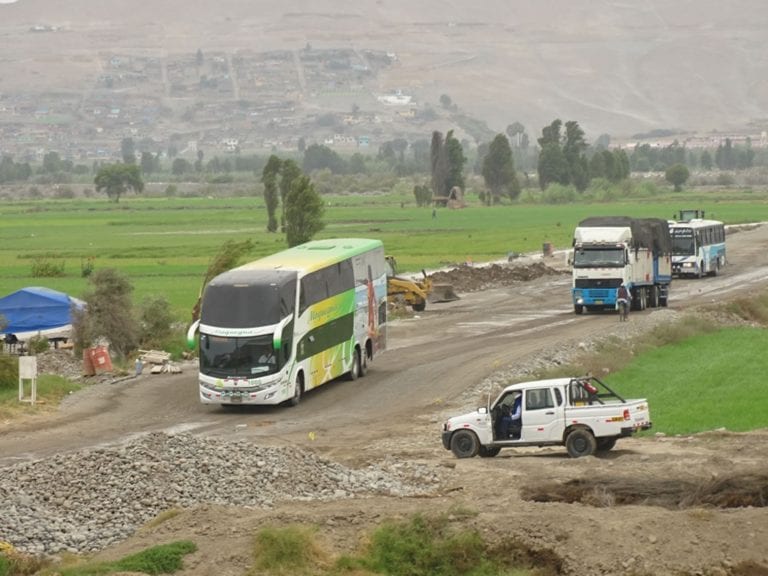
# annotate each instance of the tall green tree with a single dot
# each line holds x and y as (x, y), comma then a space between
(438, 161)
(117, 179)
(499, 171)
(303, 212)
(574, 148)
(271, 192)
(289, 173)
(456, 161)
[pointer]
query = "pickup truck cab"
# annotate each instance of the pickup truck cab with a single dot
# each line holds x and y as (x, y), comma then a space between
(582, 414)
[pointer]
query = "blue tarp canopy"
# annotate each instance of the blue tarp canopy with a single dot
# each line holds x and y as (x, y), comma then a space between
(37, 310)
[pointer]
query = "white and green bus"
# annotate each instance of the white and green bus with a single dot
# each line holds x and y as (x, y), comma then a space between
(273, 329)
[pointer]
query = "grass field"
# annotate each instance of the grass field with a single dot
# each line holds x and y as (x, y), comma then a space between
(706, 382)
(163, 245)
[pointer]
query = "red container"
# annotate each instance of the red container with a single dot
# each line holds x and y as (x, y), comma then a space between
(100, 359)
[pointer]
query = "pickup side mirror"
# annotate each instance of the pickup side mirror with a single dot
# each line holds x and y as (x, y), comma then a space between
(482, 410)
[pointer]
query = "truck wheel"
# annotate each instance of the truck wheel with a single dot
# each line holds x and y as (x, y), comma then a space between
(578, 308)
(654, 297)
(464, 444)
(419, 306)
(580, 443)
(605, 444)
(488, 452)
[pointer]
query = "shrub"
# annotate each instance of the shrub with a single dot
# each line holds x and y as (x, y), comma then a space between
(155, 321)
(38, 345)
(86, 267)
(9, 371)
(559, 194)
(290, 550)
(44, 268)
(64, 193)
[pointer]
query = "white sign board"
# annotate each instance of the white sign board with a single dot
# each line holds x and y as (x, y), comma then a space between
(28, 371)
(27, 367)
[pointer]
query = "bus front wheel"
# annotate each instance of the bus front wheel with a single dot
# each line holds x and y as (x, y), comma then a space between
(298, 392)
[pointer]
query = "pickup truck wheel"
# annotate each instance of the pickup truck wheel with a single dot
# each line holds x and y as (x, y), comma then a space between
(488, 452)
(580, 443)
(464, 444)
(605, 444)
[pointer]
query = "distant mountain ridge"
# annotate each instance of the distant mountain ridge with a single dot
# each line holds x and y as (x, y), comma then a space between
(617, 67)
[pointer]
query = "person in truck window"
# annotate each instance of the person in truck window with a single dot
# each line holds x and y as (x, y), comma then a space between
(511, 418)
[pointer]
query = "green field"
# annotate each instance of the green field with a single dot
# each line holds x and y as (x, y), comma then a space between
(706, 382)
(163, 245)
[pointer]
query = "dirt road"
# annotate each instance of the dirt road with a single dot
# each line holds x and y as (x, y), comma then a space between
(435, 362)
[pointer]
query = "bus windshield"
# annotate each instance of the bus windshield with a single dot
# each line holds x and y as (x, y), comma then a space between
(682, 242)
(237, 357)
(599, 257)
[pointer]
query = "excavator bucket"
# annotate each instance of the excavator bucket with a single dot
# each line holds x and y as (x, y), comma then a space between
(442, 293)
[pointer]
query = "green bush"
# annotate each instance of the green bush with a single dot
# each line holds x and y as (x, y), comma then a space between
(44, 268)
(162, 559)
(290, 550)
(38, 345)
(9, 371)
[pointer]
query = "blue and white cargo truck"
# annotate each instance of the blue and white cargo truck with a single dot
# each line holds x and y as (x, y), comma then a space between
(611, 250)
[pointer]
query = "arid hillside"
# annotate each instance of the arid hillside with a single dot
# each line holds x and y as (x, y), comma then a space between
(617, 67)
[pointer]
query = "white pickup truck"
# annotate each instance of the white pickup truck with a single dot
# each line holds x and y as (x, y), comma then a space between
(582, 414)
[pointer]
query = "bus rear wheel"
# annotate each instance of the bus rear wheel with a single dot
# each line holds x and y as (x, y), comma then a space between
(356, 371)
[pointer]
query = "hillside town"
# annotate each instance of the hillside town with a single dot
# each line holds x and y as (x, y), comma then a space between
(221, 102)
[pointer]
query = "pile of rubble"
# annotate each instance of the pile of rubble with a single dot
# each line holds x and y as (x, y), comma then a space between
(86, 500)
(475, 278)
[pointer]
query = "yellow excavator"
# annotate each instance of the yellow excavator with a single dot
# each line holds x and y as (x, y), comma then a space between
(416, 293)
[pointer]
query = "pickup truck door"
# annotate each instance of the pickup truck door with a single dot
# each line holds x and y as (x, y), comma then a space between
(543, 413)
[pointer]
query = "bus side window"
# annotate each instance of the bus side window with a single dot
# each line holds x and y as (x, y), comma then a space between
(286, 340)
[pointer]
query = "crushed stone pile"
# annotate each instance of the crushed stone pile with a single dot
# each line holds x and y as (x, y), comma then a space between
(474, 278)
(87, 500)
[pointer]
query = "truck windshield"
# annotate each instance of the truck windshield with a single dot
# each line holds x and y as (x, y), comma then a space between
(248, 357)
(599, 257)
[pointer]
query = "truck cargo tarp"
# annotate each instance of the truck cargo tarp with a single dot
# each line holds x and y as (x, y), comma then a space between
(652, 233)
(36, 309)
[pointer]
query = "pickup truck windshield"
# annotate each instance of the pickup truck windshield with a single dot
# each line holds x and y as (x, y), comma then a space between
(599, 258)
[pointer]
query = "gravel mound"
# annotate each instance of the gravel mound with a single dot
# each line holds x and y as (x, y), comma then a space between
(87, 500)
(476, 278)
